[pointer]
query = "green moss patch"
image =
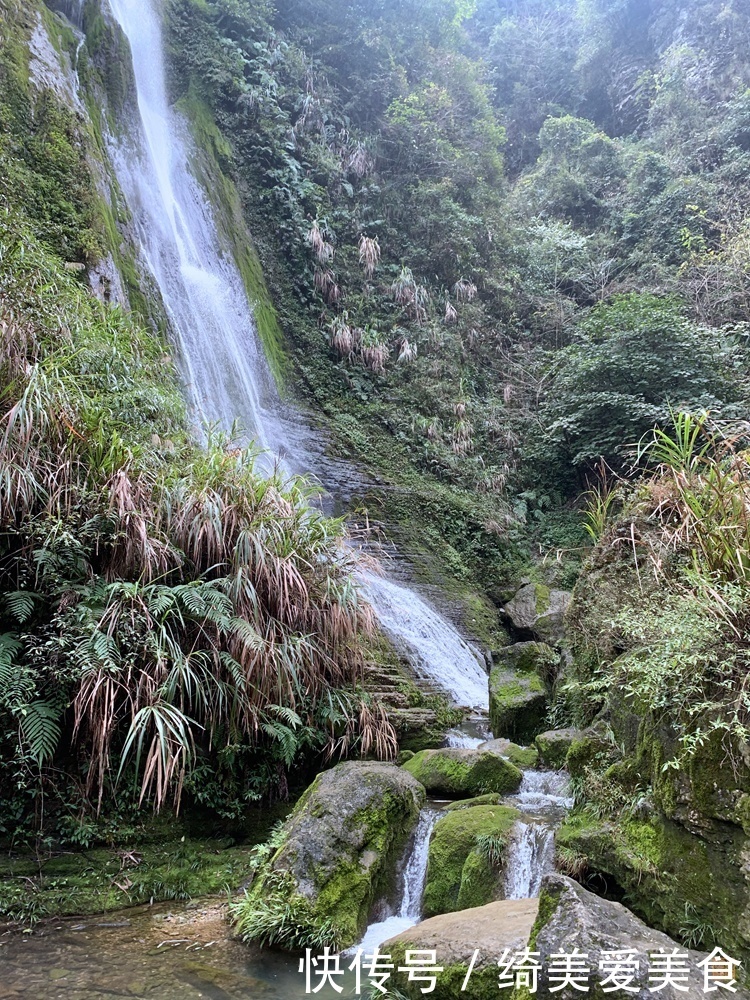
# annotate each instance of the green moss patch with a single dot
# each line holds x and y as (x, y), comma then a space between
(467, 858)
(464, 773)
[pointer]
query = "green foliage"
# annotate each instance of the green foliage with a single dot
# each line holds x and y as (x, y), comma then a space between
(282, 918)
(631, 360)
(151, 632)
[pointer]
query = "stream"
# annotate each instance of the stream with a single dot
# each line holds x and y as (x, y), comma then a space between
(185, 951)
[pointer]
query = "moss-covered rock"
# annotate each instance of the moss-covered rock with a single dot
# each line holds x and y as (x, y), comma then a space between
(337, 854)
(519, 683)
(570, 917)
(693, 888)
(460, 773)
(538, 610)
(491, 799)
(466, 862)
(553, 746)
(456, 937)
(523, 757)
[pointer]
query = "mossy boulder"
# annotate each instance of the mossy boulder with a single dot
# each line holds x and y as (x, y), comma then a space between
(338, 853)
(679, 882)
(456, 772)
(466, 864)
(570, 917)
(540, 611)
(491, 799)
(519, 683)
(553, 746)
(456, 937)
(523, 757)
(591, 749)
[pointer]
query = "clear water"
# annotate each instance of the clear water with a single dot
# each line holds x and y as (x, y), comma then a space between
(175, 952)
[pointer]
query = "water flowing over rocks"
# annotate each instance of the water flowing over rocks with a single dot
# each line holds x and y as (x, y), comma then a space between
(226, 374)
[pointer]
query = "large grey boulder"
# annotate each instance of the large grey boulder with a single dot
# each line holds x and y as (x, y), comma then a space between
(571, 917)
(336, 856)
(456, 937)
(565, 917)
(539, 610)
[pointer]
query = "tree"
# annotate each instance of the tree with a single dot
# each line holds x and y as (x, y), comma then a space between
(632, 359)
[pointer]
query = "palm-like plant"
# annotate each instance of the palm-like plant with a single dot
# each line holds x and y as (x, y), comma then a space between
(190, 601)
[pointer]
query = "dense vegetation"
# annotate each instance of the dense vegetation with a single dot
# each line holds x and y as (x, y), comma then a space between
(479, 222)
(507, 260)
(172, 623)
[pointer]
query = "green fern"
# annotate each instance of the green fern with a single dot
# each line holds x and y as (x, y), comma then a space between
(20, 605)
(40, 725)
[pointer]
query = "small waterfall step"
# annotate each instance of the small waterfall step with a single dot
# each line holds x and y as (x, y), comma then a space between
(412, 887)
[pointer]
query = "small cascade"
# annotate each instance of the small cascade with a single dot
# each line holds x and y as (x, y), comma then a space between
(413, 882)
(470, 735)
(544, 799)
(544, 791)
(532, 856)
(462, 741)
(436, 651)
(71, 9)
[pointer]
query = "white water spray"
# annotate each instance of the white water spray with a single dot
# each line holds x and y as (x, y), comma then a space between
(531, 856)
(412, 888)
(224, 368)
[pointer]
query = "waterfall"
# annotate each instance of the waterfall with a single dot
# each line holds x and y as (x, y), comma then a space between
(224, 369)
(412, 887)
(543, 796)
(532, 856)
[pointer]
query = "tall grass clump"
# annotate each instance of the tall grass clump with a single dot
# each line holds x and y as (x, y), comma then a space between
(682, 627)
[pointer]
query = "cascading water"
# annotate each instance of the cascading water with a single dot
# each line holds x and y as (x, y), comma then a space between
(543, 797)
(201, 289)
(226, 374)
(532, 856)
(413, 882)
